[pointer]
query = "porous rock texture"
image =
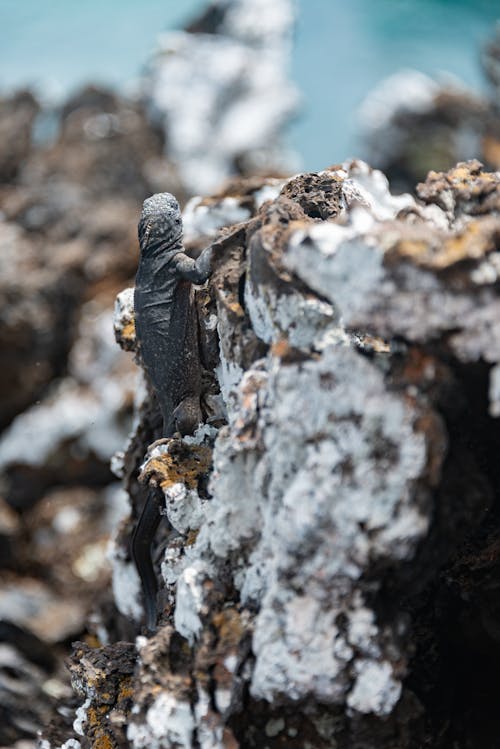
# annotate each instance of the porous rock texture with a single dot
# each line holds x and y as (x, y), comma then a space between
(329, 571)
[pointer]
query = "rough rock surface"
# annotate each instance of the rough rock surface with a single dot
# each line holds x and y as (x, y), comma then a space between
(329, 569)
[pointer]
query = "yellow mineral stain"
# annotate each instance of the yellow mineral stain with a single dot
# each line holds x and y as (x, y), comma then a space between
(229, 626)
(128, 331)
(126, 690)
(474, 241)
(104, 741)
(179, 467)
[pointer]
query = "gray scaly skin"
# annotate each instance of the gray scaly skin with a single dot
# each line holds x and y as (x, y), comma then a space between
(166, 332)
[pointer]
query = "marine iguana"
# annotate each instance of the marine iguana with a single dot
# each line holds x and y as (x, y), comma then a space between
(167, 337)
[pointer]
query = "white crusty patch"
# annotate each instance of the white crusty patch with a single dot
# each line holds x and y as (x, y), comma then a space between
(126, 583)
(201, 220)
(190, 601)
(124, 310)
(299, 319)
(375, 689)
(294, 647)
(184, 507)
(169, 722)
(81, 717)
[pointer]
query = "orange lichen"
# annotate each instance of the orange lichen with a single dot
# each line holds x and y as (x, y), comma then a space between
(95, 713)
(280, 348)
(465, 184)
(287, 353)
(471, 243)
(413, 248)
(229, 627)
(236, 308)
(460, 177)
(104, 741)
(183, 464)
(474, 241)
(191, 537)
(128, 331)
(126, 689)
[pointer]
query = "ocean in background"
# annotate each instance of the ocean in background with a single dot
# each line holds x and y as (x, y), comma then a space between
(342, 50)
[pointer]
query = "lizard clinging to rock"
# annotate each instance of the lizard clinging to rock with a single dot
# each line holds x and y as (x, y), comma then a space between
(167, 337)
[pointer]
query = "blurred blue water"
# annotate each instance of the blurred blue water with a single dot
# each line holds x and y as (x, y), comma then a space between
(61, 43)
(343, 48)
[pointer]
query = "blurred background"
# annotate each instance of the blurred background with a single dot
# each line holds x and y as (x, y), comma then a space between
(340, 52)
(103, 104)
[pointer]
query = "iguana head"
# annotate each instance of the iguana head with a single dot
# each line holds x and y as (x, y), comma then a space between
(160, 225)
